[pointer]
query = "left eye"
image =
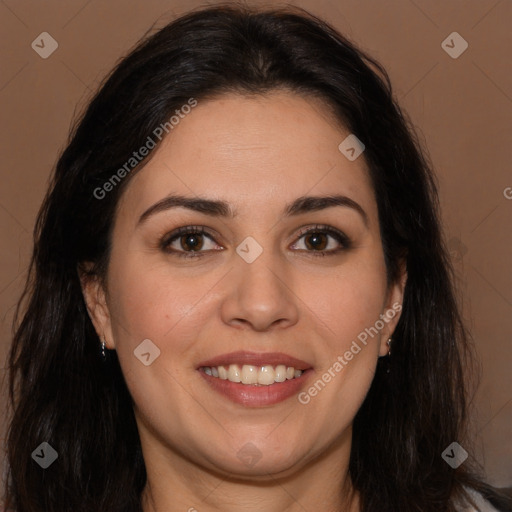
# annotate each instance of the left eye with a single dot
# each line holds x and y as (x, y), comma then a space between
(189, 242)
(323, 240)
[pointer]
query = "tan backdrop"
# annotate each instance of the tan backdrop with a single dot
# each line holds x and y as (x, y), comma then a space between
(460, 99)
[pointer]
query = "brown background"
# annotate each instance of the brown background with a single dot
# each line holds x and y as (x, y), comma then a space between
(462, 108)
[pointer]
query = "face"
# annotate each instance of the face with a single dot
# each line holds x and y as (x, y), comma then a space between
(259, 283)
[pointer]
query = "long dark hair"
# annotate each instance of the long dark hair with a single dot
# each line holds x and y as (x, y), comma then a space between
(63, 394)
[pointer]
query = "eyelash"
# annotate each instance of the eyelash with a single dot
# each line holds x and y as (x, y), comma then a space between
(339, 236)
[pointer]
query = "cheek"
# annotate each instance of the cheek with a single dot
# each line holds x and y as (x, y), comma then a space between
(149, 303)
(152, 305)
(349, 301)
(346, 307)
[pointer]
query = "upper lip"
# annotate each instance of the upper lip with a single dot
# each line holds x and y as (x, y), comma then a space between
(256, 359)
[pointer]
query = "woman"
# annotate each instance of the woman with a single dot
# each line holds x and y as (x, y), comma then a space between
(240, 297)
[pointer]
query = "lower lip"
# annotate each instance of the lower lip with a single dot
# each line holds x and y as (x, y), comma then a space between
(252, 395)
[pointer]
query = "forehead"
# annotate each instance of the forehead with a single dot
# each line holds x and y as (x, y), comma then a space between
(252, 151)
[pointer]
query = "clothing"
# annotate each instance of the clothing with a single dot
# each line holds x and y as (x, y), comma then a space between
(482, 504)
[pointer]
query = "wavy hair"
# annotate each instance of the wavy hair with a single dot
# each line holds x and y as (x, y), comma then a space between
(60, 390)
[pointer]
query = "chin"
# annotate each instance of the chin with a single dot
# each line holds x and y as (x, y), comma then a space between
(260, 461)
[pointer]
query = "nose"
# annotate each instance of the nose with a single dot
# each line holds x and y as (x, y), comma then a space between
(260, 296)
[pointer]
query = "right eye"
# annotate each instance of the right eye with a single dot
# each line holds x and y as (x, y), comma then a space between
(187, 242)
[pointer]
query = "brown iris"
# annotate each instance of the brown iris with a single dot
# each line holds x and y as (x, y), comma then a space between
(316, 241)
(192, 241)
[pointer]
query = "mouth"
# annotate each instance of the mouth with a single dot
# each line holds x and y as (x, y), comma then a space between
(253, 379)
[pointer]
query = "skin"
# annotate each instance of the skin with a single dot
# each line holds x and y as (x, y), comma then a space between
(258, 154)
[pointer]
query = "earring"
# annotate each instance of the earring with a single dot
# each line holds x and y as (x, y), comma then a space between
(103, 350)
(389, 353)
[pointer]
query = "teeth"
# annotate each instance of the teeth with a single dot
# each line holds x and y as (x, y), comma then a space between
(234, 373)
(266, 375)
(249, 374)
(281, 373)
(255, 375)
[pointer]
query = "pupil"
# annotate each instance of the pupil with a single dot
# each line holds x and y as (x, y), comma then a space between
(316, 241)
(191, 241)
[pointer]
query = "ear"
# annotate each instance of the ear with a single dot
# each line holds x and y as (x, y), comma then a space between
(392, 308)
(95, 297)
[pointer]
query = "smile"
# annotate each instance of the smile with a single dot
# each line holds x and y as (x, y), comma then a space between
(255, 379)
(265, 375)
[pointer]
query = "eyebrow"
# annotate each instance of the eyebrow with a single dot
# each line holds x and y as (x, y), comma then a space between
(218, 208)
